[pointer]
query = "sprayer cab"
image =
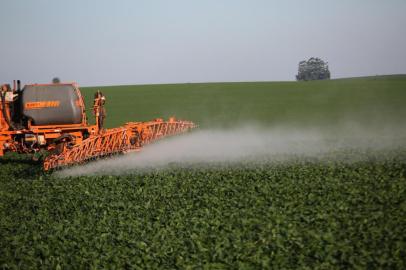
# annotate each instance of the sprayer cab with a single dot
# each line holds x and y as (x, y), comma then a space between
(51, 119)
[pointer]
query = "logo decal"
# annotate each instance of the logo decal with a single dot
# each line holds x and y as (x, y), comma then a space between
(41, 105)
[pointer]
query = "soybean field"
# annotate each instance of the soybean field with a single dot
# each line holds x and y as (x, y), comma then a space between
(279, 175)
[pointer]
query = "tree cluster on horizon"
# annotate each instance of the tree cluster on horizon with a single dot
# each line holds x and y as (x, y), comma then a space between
(313, 69)
(56, 80)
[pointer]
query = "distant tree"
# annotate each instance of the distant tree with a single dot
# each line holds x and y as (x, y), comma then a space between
(56, 80)
(313, 69)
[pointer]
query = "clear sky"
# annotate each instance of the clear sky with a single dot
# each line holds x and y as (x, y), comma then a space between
(95, 42)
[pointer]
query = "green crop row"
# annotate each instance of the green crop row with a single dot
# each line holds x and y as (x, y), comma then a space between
(371, 102)
(298, 214)
(345, 210)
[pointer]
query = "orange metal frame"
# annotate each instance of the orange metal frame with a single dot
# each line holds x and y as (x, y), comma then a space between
(85, 142)
(132, 136)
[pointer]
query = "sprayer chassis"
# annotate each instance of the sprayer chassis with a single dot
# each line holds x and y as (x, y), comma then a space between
(64, 145)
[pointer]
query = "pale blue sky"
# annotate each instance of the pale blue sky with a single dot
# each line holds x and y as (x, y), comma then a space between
(176, 41)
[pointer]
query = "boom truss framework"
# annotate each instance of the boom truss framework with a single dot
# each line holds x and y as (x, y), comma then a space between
(131, 136)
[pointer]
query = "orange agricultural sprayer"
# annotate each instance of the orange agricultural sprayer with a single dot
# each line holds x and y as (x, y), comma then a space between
(49, 120)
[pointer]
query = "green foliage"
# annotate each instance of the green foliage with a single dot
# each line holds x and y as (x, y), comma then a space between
(56, 80)
(308, 213)
(377, 101)
(313, 69)
(302, 214)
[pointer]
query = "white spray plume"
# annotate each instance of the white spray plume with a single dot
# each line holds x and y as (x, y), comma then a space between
(236, 145)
